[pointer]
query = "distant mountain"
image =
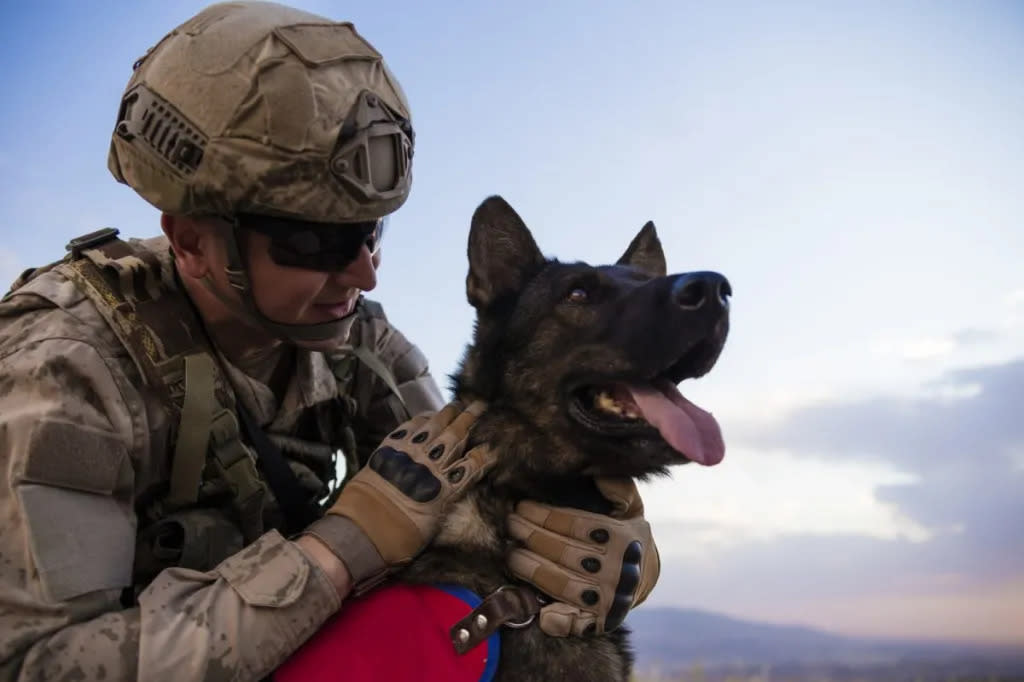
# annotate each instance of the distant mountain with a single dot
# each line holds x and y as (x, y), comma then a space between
(668, 639)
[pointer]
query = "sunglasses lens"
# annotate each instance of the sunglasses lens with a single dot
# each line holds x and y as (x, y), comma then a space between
(374, 239)
(315, 246)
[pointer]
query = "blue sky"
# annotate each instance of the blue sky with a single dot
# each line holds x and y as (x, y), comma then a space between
(855, 169)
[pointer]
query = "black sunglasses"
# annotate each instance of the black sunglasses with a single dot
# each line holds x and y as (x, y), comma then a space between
(315, 246)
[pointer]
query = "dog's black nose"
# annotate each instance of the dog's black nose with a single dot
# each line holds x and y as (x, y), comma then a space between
(694, 290)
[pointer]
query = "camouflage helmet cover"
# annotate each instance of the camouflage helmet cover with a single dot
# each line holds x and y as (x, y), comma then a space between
(254, 107)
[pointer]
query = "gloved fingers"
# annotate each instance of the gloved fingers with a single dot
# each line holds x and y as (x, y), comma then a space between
(434, 424)
(563, 550)
(469, 469)
(458, 429)
(413, 425)
(556, 581)
(584, 526)
(444, 440)
(562, 620)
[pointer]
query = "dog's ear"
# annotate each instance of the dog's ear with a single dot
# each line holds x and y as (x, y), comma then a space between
(502, 253)
(645, 253)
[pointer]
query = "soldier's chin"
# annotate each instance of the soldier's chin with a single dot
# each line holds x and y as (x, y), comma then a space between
(323, 338)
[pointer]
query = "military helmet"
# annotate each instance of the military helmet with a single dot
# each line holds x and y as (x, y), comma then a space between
(258, 108)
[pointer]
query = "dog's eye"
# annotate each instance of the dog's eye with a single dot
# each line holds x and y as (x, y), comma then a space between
(578, 295)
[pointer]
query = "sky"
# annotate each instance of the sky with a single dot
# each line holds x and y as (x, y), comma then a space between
(855, 169)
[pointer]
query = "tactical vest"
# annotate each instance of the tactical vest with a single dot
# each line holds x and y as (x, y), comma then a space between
(214, 503)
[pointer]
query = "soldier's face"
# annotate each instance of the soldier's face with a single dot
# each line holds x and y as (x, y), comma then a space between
(298, 296)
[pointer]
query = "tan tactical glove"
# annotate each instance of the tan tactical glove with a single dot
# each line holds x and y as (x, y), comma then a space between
(596, 567)
(390, 510)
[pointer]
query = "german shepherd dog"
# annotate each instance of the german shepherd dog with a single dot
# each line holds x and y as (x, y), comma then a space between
(579, 366)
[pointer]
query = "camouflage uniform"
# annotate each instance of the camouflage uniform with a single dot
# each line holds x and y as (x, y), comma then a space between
(85, 445)
(246, 109)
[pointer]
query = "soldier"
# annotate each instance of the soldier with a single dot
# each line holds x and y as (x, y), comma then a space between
(171, 408)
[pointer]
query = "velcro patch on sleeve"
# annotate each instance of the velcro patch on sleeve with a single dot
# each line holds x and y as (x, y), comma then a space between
(81, 542)
(73, 456)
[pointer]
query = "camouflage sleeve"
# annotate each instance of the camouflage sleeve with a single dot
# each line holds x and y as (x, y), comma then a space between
(73, 439)
(379, 409)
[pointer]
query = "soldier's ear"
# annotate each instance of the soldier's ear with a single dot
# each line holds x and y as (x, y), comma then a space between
(502, 253)
(191, 242)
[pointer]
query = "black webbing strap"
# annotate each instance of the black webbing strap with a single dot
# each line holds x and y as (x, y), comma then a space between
(298, 509)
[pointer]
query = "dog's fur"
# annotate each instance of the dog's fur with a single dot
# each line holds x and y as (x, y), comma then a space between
(535, 346)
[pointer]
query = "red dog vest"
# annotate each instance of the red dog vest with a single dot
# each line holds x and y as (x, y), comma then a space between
(395, 633)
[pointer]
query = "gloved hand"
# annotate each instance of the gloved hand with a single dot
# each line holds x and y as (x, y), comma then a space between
(390, 510)
(595, 567)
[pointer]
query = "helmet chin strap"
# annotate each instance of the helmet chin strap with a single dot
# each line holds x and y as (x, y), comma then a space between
(245, 305)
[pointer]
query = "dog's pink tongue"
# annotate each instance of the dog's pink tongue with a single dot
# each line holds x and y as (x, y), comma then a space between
(691, 431)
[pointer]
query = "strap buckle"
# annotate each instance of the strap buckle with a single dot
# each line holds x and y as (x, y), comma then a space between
(519, 625)
(89, 241)
(236, 466)
(512, 606)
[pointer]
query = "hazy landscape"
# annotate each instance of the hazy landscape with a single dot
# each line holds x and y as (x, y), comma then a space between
(698, 646)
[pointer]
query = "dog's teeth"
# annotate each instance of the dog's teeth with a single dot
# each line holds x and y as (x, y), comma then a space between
(604, 401)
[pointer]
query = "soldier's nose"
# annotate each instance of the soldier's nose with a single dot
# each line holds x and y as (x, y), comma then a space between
(360, 273)
(696, 290)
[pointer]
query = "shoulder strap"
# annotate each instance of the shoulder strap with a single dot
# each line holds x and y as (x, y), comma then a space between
(162, 334)
(298, 509)
(363, 350)
(75, 247)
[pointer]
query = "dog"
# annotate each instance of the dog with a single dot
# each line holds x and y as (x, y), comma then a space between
(579, 366)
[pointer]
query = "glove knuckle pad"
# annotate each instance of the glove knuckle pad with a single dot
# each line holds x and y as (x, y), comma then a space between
(412, 479)
(629, 580)
(617, 613)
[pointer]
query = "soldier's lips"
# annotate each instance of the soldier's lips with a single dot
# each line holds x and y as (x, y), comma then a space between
(335, 310)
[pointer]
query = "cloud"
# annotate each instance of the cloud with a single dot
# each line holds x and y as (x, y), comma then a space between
(925, 434)
(963, 456)
(757, 495)
(896, 485)
(973, 336)
(985, 340)
(915, 349)
(928, 348)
